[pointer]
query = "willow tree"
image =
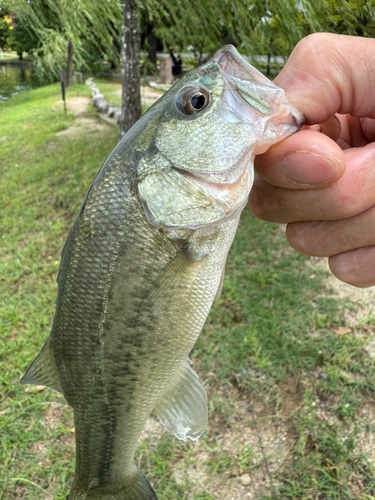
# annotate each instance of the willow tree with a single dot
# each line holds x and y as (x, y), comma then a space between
(130, 72)
(266, 27)
(180, 23)
(274, 27)
(66, 25)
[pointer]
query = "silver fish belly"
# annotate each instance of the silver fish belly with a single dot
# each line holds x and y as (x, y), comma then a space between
(143, 263)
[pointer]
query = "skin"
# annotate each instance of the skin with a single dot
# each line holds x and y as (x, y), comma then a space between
(324, 189)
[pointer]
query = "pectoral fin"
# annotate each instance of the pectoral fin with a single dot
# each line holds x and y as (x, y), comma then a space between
(220, 287)
(183, 409)
(42, 370)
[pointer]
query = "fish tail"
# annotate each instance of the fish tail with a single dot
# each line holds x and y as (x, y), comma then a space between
(137, 488)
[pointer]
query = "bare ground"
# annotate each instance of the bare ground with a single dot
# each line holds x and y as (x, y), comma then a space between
(83, 124)
(148, 96)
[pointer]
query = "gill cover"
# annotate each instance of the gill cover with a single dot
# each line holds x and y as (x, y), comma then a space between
(199, 169)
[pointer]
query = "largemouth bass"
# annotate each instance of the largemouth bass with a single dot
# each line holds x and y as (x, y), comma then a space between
(143, 263)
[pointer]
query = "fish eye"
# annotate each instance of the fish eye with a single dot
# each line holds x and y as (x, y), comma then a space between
(192, 100)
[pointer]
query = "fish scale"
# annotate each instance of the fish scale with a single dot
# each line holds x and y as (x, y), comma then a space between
(143, 263)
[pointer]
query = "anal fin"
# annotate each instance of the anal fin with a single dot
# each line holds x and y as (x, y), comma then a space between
(42, 370)
(183, 408)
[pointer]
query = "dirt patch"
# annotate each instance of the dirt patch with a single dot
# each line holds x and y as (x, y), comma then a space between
(75, 105)
(152, 428)
(253, 443)
(365, 297)
(83, 124)
(55, 415)
(148, 97)
(257, 441)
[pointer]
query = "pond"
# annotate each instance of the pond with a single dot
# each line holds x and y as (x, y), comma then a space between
(13, 80)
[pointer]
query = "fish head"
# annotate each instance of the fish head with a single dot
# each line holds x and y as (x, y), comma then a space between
(211, 125)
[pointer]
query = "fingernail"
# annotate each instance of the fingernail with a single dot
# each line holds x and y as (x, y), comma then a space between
(305, 167)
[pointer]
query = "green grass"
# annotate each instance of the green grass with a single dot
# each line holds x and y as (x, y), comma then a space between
(12, 57)
(110, 89)
(44, 179)
(269, 354)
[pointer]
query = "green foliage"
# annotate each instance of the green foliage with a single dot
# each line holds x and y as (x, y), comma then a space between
(271, 27)
(91, 26)
(5, 30)
(22, 38)
(180, 23)
(274, 27)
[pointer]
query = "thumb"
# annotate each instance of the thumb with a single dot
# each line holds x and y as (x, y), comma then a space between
(328, 74)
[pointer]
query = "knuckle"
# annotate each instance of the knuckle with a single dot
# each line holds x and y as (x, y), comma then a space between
(258, 200)
(303, 237)
(352, 267)
(257, 207)
(312, 42)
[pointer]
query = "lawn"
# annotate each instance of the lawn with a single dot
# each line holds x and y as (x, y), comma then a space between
(287, 363)
(13, 57)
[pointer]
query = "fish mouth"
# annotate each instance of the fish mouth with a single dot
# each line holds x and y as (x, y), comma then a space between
(254, 88)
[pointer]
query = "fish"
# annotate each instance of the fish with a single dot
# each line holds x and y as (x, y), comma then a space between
(143, 263)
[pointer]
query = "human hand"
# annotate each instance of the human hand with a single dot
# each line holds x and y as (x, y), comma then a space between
(325, 190)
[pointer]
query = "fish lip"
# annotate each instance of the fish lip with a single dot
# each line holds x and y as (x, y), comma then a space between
(233, 65)
(228, 57)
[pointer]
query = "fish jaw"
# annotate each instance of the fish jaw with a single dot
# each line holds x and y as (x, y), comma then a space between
(256, 100)
(213, 150)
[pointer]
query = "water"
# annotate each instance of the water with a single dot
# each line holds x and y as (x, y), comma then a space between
(13, 80)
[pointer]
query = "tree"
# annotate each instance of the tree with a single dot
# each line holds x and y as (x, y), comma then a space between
(6, 27)
(77, 24)
(5, 30)
(131, 80)
(276, 26)
(268, 27)
(23, 38)
(180, 23)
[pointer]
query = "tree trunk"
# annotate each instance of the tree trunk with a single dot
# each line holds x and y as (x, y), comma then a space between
(268, 69)
(130, 72)
(153, 42)
(69, 64)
